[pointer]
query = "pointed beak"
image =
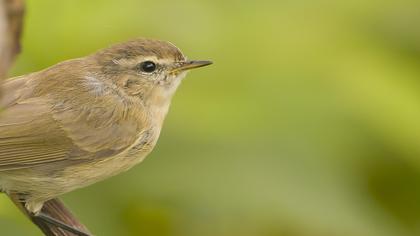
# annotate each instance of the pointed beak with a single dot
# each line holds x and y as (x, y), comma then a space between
(188, 65)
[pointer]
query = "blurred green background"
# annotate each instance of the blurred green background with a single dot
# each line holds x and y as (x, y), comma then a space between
(308, 123)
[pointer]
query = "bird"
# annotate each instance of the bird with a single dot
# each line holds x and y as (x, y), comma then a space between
(84, 120)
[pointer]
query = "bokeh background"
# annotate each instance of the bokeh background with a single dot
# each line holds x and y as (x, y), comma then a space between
(308, 123)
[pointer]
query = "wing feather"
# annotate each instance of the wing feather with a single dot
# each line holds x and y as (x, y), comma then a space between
(30, 136)
(38, 130)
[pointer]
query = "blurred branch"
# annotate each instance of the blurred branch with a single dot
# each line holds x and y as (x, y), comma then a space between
(11, 19)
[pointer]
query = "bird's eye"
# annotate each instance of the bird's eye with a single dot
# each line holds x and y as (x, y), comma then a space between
(147, 66)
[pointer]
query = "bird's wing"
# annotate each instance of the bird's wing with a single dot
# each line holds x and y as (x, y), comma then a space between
(36, 130)
(30, 136)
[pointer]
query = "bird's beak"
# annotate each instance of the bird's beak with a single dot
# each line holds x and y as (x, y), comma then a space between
(188, 65)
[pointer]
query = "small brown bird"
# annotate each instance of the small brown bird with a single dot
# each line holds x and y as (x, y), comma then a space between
(86, 119)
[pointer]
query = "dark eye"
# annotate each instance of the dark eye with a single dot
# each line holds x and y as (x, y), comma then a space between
(147, 66)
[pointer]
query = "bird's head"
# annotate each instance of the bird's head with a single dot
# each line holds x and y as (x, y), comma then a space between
(143, 67)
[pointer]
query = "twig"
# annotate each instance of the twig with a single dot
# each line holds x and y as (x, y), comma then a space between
(57, 210)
